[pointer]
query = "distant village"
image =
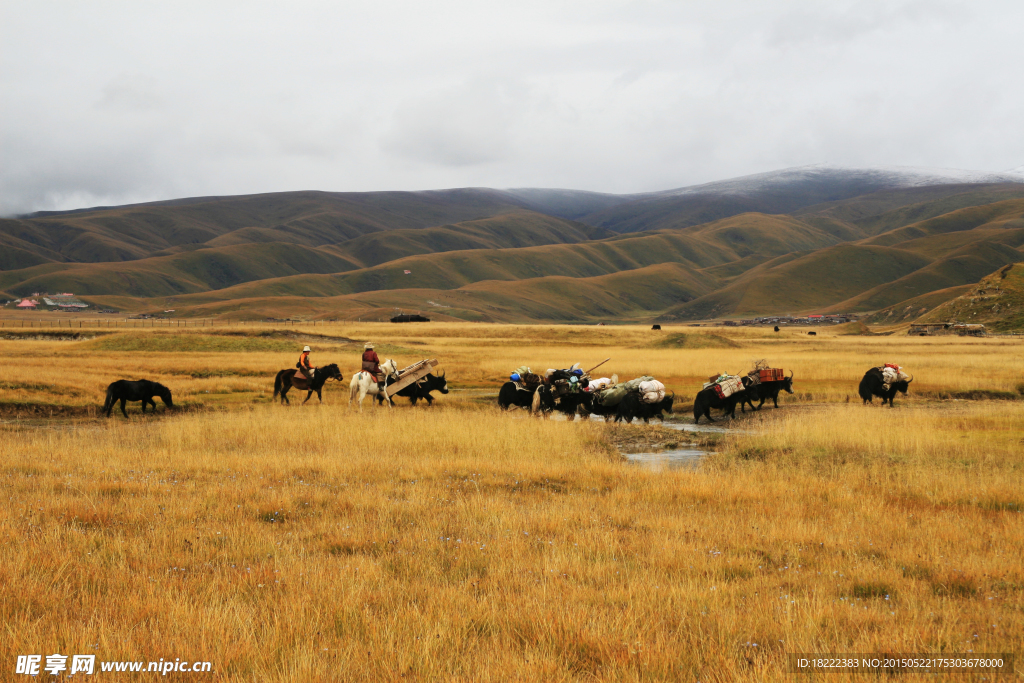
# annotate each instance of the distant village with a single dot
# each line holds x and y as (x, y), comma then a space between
(64, 301)
(829, 319)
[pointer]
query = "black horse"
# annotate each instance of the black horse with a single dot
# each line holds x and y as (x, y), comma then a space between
(539, 400)
(421, 389)
(124, 390)
(286, 379)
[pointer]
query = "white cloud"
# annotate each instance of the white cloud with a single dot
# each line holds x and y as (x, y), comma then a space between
(122, 101)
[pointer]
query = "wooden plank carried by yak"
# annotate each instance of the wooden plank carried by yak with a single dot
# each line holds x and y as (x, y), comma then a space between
(408, 375)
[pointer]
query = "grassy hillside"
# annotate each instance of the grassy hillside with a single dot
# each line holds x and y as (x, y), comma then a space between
(194, 271)
(810, 281)
(882, 211)
(312, 218)
(528, 254)
(997, 302)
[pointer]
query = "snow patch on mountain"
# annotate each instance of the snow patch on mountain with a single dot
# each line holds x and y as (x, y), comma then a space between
(878, 178)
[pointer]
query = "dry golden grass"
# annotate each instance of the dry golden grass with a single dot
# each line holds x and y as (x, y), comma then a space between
(459, 543)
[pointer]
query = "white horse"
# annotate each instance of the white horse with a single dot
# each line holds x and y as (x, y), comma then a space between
(363, 383)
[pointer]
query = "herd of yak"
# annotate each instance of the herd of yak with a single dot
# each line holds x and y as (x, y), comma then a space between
(543, 400)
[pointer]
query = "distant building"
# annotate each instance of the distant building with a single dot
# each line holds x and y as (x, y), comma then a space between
(66, 300)
(27, 304)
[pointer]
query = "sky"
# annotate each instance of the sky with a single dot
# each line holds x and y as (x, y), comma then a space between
(107, 103)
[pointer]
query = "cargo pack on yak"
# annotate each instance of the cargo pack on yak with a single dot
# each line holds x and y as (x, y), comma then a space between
(721, 392)
(642, 397)
(763, 383)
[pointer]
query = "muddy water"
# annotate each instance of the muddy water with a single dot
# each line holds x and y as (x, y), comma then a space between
(670, 459)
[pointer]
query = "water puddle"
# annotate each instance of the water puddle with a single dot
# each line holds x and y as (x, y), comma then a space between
(671, 459)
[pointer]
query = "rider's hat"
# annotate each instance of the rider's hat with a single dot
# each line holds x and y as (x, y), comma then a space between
(306, 348)
(369, 345)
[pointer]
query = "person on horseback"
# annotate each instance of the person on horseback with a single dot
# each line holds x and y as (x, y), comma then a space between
(371, 364)
(304, 365)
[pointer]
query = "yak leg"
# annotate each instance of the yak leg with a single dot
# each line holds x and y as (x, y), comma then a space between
(124, 402)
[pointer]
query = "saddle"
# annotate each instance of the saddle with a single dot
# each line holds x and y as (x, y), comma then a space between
(299, 381)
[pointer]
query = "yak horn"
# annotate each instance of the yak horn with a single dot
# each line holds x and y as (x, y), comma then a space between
(791, 375)
(910, 380)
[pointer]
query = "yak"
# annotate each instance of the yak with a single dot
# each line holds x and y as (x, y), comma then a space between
(765, 391)
(873, 384)
(812, 333)
(708, 398)
(655, 327)
(423, 387)
(538, 400)
(632, 406)
(569, 404)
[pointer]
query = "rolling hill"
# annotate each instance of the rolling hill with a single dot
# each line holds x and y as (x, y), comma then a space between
(894, 243)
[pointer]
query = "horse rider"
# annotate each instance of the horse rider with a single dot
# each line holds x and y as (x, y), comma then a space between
(304, 365)
(371, 364)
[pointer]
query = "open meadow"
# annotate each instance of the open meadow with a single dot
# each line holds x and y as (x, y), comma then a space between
(459, 543)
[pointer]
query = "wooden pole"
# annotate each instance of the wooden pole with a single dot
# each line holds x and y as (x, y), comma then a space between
(597, 366)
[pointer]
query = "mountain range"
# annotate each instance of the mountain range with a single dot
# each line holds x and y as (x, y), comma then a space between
(809, 239)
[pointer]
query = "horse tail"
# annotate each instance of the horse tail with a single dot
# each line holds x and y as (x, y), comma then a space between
(278, 384)
(108, 404)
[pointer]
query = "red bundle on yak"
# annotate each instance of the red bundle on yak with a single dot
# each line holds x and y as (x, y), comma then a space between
(771, 374)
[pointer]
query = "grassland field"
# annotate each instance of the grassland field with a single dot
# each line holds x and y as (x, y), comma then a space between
(459, 543)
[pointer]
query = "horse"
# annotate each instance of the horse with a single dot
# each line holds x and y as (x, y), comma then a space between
(286, 379)
(140, 390)
(363, 383)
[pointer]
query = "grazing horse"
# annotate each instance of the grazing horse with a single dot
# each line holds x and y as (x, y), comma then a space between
(141, 390)
(363, 383)
(286, 379)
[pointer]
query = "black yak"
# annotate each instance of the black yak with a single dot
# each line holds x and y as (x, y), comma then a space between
(873, 384)
(422, 388)
(633, 406)
(765, 391)
(539, 400)
(708, 398)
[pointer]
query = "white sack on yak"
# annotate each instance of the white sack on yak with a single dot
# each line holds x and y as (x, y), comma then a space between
(599, 384)
(652, 391)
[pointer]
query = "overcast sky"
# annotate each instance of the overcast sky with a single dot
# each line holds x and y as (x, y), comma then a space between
(116, 102)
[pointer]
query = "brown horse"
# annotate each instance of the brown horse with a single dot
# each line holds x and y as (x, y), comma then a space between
(286, 379)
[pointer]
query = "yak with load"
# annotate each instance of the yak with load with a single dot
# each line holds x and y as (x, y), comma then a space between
(421, 388)
(884, 382)
(762, 390)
